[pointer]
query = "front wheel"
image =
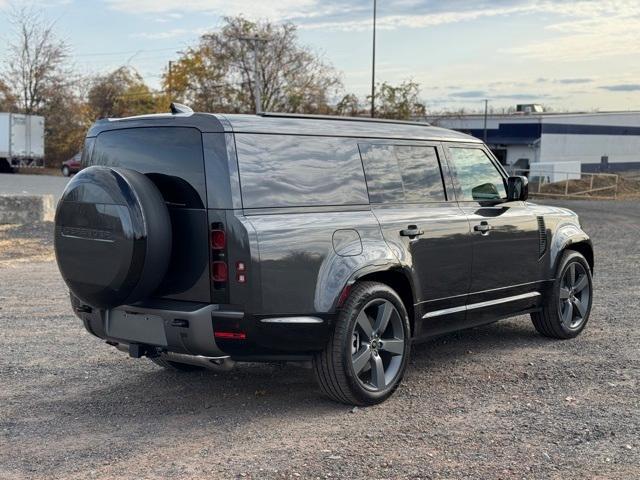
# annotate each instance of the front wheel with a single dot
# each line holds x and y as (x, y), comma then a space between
(65, 171)
(366, 357)
(567, 305)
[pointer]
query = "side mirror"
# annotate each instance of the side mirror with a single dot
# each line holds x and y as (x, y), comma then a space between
(517, 188)
(485, 191)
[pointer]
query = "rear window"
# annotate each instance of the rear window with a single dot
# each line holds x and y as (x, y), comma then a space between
(171, 157)
(403, 173)
(299, 171)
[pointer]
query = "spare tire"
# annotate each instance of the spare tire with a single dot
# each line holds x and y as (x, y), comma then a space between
(112, 236)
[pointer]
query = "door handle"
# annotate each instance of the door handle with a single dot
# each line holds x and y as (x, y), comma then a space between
(483, 228)
(411, 231)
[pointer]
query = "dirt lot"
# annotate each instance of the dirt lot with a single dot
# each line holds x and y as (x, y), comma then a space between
(493, 402)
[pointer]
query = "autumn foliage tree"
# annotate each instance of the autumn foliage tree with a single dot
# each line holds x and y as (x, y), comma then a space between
(218, 73)
(401, 102)
(8, 101)
(121, 93)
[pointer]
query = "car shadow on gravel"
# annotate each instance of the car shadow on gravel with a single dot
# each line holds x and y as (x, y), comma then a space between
(502, 336)
(267, 389)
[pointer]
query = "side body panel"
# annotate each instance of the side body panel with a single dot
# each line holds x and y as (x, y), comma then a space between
(507, 268)
(301, 271)
(439, 261)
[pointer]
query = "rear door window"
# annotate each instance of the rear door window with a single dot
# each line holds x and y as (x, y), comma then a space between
(476, 176)
(403, 173)
(299, 171)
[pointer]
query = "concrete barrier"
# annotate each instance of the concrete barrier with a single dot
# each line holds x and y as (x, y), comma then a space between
(22, 209)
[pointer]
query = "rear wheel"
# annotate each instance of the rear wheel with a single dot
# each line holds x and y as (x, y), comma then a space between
(366, 357)
(567, 306)
(65, 171)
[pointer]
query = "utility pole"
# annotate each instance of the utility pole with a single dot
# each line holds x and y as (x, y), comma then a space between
(373, 63)
(486, 109)
(257, 82)
(170, 80)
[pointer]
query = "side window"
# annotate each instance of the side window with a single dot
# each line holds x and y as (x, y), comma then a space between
(477, 177)
(402, 173)
(299, 171)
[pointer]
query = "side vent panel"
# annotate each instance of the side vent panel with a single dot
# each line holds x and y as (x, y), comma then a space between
(542, 236)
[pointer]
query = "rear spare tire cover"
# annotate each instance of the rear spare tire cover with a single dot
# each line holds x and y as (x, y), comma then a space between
(112, 236)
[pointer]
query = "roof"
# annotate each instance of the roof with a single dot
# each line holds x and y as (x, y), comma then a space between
(290, 125)
(339, 127)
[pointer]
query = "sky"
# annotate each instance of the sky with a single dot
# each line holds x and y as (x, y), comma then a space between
(571, 55)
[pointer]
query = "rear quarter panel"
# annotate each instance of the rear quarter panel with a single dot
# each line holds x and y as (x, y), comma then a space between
(300, 270)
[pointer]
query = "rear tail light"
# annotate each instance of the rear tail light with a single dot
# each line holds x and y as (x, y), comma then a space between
(219, 266)
(218, 239)
(219, 271)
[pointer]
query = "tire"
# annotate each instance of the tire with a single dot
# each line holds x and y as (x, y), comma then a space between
(348, 369)
(65, 171)
(175, 366)
(112, 236)
(567, 304)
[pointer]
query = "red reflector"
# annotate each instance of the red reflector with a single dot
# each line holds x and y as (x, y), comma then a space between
(218, 239)
(230, 335)
(219, 271)
(344, 295)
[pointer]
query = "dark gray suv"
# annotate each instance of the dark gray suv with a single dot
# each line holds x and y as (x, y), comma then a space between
(196, 238)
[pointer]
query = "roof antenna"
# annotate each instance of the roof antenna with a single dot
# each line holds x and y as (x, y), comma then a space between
(179, 108)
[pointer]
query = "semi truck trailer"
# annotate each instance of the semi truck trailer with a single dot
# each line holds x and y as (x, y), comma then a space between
(21, 141)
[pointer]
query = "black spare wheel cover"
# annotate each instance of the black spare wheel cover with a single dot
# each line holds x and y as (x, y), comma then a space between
(112, 236)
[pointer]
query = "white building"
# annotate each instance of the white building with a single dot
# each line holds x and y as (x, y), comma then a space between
(607, 141)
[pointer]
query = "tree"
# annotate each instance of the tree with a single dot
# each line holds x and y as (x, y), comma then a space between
(121, 93)
(400, 102)
(36, 59)
(349, 105)
(66, 120)
(218, 74)
(7, 98)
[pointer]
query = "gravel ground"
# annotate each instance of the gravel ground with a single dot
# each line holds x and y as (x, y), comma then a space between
(493, 402)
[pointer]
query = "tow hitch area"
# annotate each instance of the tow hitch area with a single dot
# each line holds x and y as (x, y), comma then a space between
(138, 350)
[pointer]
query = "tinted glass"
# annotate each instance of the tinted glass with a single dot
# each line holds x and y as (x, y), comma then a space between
(477, 176)
(299, 171)
(170, 156)
(402, 173)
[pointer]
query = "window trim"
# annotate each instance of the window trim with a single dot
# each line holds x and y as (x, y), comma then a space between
(494, 161)
(440, 157)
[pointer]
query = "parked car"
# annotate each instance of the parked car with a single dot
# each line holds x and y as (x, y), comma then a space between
(199, 239)
(73, 165)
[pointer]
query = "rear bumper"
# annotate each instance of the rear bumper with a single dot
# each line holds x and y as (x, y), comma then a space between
(190, 328)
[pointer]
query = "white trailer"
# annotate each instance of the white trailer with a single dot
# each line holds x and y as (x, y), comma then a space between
(21, 141)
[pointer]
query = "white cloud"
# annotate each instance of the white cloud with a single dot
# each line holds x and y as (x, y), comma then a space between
(595, 30)
(173, 33)
(275, 10)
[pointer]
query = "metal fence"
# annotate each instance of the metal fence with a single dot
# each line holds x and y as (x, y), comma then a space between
(601, 186)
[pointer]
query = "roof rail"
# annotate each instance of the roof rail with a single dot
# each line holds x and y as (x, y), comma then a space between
(336, 117)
